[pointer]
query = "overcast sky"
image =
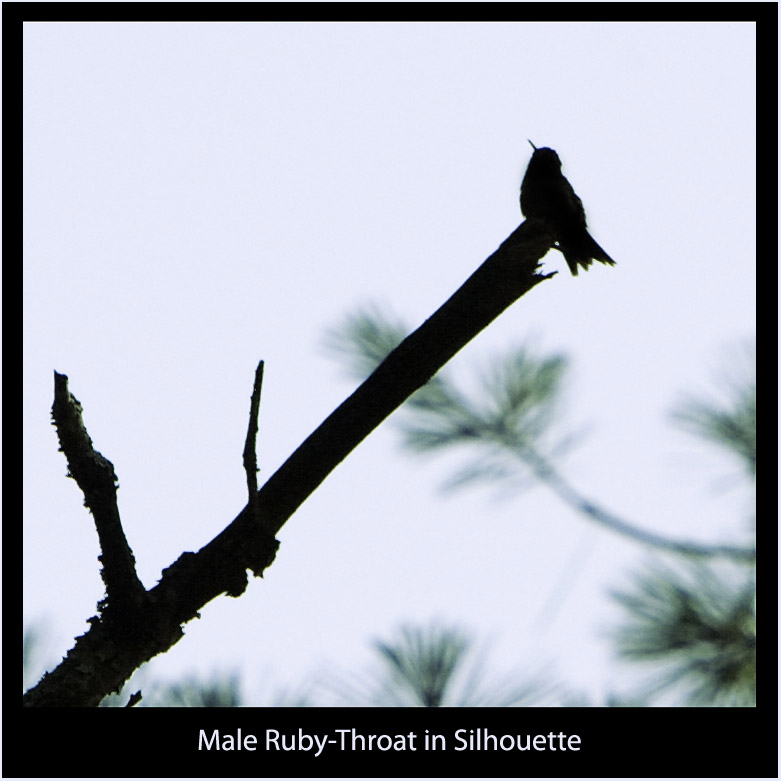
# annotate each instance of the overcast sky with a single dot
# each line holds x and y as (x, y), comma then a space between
(201, 196)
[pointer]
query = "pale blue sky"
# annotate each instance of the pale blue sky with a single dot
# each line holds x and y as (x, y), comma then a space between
(201, 196)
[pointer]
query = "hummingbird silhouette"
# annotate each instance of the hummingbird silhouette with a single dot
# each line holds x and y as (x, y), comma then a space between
(548, 196)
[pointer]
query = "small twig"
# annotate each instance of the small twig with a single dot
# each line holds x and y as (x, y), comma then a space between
(134, 699)
(250, 453)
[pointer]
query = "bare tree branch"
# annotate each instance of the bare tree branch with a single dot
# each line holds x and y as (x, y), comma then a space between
(250, 453)
(95, 476)
(104, 657)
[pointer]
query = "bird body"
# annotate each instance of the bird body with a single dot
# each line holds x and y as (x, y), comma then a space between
(548, 196)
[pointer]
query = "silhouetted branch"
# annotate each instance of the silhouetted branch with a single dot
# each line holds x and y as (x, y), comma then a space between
(135, 698)
(250, 453)
(104, 657)
(95, 476)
